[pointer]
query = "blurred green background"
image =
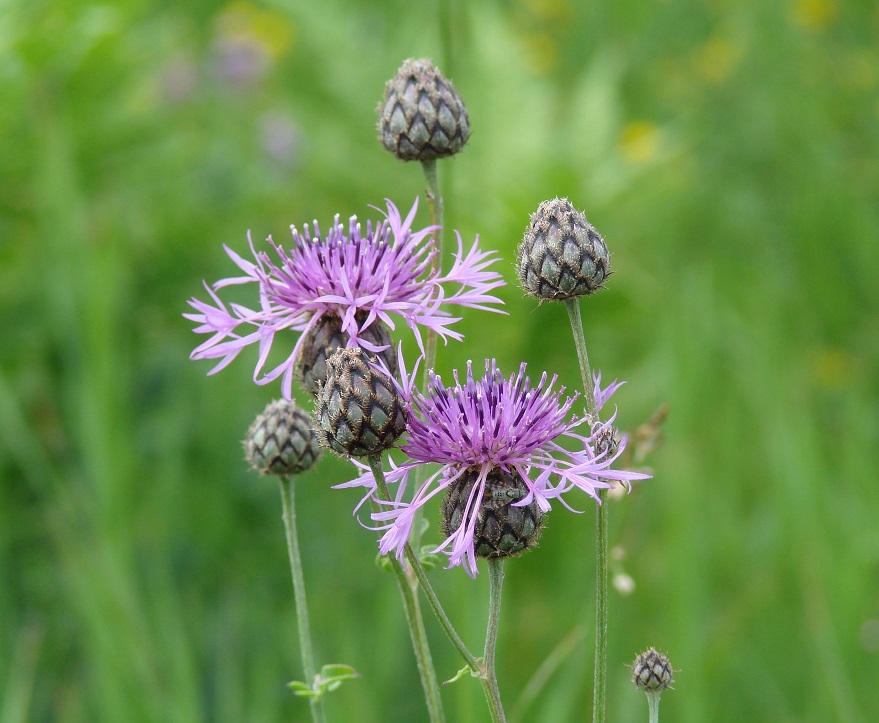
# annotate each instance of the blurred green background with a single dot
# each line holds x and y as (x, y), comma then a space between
(728, 153)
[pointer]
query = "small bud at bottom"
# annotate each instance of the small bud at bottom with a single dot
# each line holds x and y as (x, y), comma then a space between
(652, 671)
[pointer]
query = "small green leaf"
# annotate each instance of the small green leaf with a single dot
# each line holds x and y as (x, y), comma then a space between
(428, 559)
(461, 673)
(301, 689)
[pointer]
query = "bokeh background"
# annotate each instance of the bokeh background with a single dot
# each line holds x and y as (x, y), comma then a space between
(727, 151)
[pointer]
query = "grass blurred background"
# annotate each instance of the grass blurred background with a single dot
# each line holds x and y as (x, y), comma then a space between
(728, 154)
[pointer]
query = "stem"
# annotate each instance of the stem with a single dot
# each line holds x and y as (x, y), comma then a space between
(289, 505)
(573, 307)
(437, 608)
(653, 706)
(482, 670)
(435, 208)
(599, 702)
(600, 680)
(495, 589)
(413, 616)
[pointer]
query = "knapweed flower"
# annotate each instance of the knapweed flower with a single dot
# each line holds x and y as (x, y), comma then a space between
(498, 442)
(353, 284)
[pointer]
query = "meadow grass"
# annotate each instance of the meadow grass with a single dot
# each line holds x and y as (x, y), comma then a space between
(727, 153)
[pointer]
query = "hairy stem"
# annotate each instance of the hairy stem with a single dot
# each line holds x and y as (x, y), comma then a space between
(599, 702)
(289, 504)
(495, 590)
(414, 618)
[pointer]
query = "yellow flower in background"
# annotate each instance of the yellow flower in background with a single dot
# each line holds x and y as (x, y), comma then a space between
(247, 42)
(244, 22)
(816, 15)
(542, 22)
(541, 52)
(639, 141)
(832, 367)
(714, 60)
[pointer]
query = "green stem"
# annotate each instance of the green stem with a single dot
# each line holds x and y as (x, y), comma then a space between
(289, 505)
(600, 680)
(653, 706)
(573, 307)
(479, 669)
(495, 589)
(599, 702)
(435, 207)
(413, 616)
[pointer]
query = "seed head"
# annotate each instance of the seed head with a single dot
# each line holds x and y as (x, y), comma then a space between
(652, 672)
(422, 117)
(358, 411)
(561, 256)
(281, 440)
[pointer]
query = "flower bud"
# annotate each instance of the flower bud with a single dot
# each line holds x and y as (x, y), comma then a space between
(327, 336)
(281, 440)
(651, 671)
(502, 530)
(561, 256)
(422, 118)
(358, 411)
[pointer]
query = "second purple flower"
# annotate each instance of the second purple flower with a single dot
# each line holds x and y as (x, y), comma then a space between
(498, 443)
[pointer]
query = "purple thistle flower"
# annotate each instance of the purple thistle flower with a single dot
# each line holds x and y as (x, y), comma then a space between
(363, 279)
(488, 426)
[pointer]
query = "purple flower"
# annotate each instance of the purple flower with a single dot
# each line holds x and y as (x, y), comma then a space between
(361, 279)
(492, 424)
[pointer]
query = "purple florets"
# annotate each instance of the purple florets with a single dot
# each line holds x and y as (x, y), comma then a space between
(362, 279)
(489, 424)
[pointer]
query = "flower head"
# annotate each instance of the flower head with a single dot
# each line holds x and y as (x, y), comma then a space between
(422, 117)
(358, 411)
(281, 441)
(361, 279)
(561, 256)
(492, 437)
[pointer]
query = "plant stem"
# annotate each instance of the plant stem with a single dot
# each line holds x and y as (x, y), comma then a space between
(599, 702)
(435, 209)
(481, 670)
(413, 616)
(653, 706)
(600, 680)
(289, 506)
(495, 589)
(573, 307)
